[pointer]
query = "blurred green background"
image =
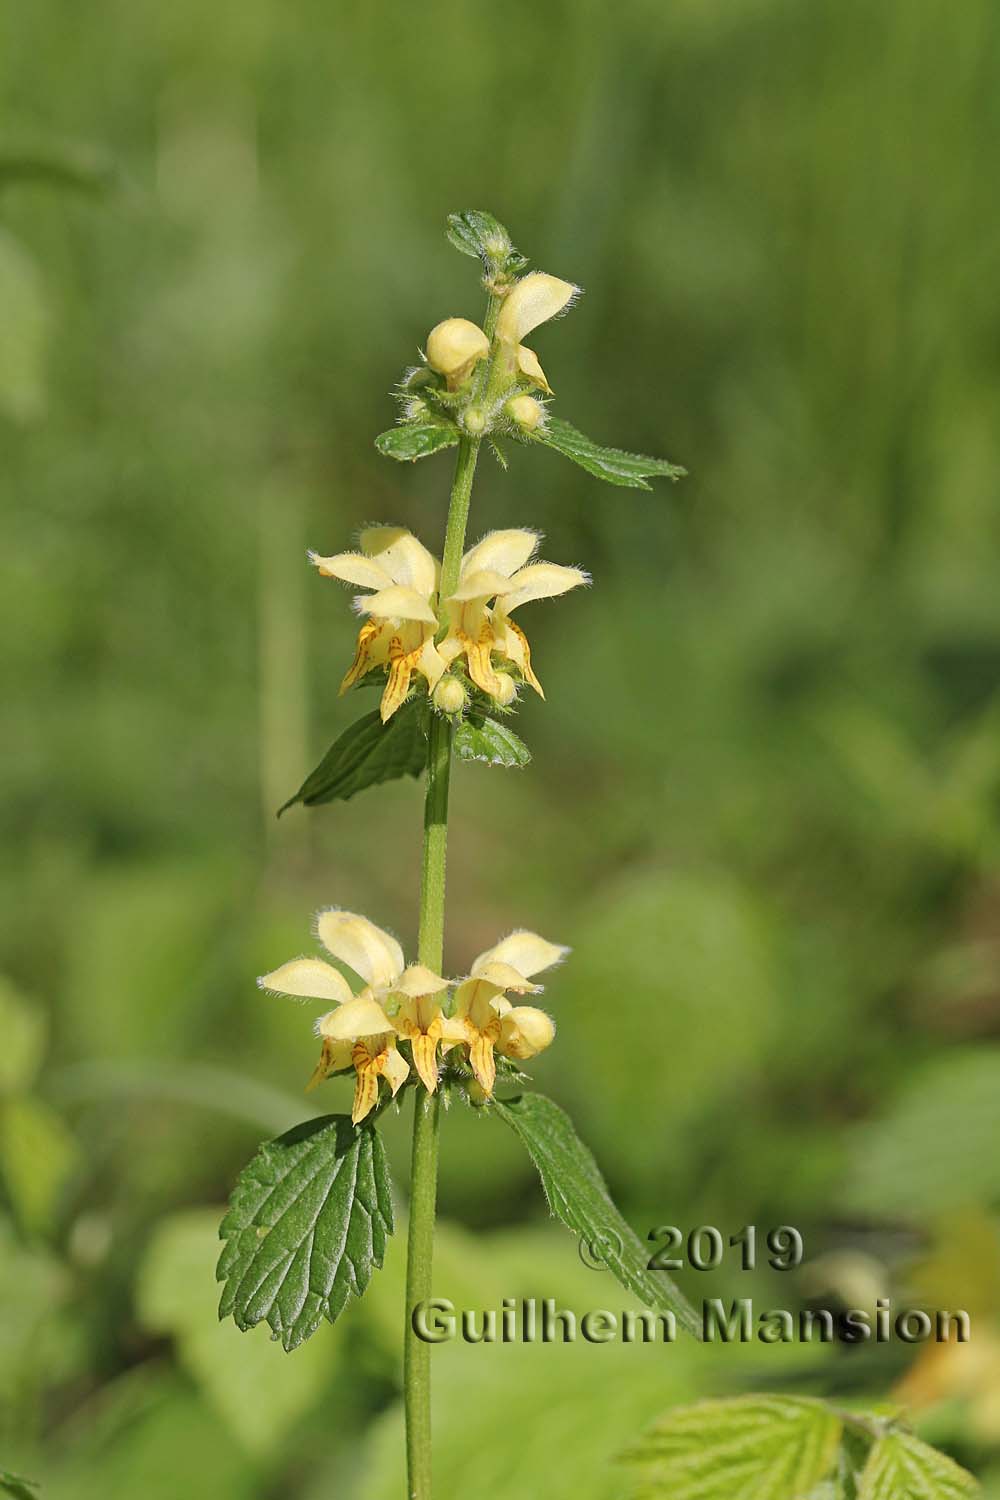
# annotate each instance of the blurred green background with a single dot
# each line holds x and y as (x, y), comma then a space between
(763, 808)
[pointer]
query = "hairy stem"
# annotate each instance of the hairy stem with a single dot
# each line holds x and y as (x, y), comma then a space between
(423, 1177)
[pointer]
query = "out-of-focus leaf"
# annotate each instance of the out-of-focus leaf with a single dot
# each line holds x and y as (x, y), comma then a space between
(935, 1148)
(491, 741)
(24, 1030)
(81, 168)
(578, 1195)
(416, 440)
(308, 1223)
(365, 754)
(257, 1392)
(630, 470)
(901, 1467)
(37, 1156)
(25, 319)
(773, 1447)
(17, 1486)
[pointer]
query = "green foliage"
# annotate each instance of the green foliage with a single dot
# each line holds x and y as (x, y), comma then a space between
(64, 166)
(773, 1447)
(17, 1487)
(307, 1224)
(480, 738)
(928, 1146)
(25, 311)
(367, 753)
(413, 440)
(257, 1392)
(578, 1195)
(901, 1467)
(37, 1157)
(24, 1029)
(629, 470)
(477, 233)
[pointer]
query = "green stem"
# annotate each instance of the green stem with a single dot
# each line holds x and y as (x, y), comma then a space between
(423, 1175)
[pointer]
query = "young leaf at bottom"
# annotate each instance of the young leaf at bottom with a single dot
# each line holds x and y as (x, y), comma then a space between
(367, 753)
(630, 470)
(901, 1467)
(771, 1447)
(18, 1488)
(578, 1195)
(491, 741)
(416, 440)
(307, 1224)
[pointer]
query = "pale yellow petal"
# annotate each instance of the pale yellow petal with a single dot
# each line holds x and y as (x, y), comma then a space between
(396, 603)
(365, 1089)
(482, 1062)
(530, 366)
(455, 345)
(395, 1069)
(542, 580)
(483, 583)
(334, 1058)
(524, 951)
(454, 1030)
(431, 664)
(309, 979)
(405, 559)
(371, 651)
(365, 948)
(417, 980)
(505, 976)
(352, 567)
(534, 300)
(501, 552)
(525, 1031)
(359, 1017)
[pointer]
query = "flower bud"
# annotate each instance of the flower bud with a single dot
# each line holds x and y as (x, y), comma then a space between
(525, 1031)
(507, 688)
(475, 421)
(450, 696)
(454, 346)
(525, 411)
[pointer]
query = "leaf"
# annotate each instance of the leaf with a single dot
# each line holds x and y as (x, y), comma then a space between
(578, 1195)
(490, 741)
(18, 1487)
(631, 470)
(773, 1447)
(415, 440)
(367, 753)
(83, 168)
(37, 1157)
(308, 1221)
(24, 1031)
(901, 1467)
(25, 315)
(477, 233)
(258, 1394)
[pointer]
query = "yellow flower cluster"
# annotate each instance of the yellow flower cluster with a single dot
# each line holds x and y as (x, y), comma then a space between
(409, 1003)
(408, 630)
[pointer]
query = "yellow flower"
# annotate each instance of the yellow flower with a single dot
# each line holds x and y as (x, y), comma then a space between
(454, 347)
(362, 1029)
(499, 568)
(398, 635)
(486, 1022)
(534, 299)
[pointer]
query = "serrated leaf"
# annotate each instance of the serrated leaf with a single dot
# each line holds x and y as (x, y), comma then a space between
(901, 1467)
(477, 233)
(491, 741)
(367, 753)
(578, 1195)
(415, 440)
(630, 470)
(773, 1447)
(308, 1222)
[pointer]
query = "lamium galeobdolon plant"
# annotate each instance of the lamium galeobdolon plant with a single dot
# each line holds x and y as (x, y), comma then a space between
(311, 1214)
